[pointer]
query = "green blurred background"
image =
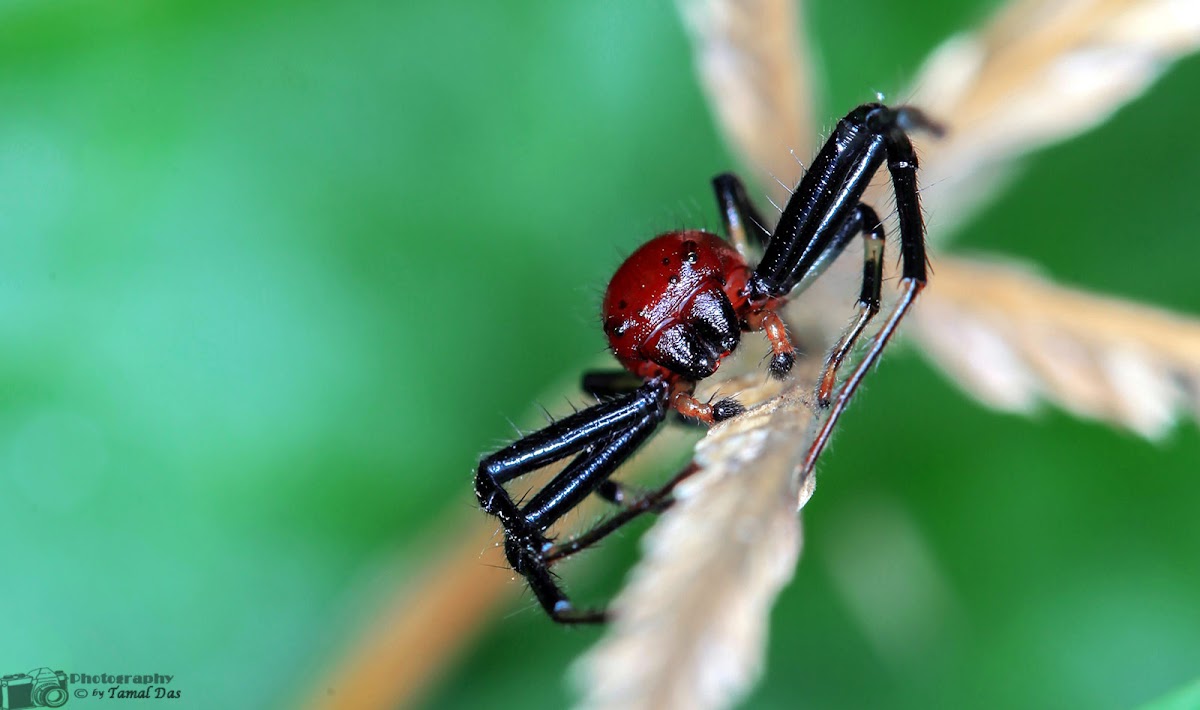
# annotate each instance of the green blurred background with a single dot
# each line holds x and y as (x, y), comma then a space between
(274, 275)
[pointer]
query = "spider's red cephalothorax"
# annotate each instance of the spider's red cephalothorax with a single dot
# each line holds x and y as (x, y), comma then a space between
(679, 304)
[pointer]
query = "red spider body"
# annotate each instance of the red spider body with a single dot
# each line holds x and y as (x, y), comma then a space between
(676, 302)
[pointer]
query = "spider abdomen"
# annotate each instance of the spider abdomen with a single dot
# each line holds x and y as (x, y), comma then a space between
(668, 311)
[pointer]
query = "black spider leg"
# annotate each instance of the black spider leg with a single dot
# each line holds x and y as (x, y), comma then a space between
(862, 220)
(742, 221)
(826, 204)
(602, 384)
(831, 190)
(604, 436)
(902, 165)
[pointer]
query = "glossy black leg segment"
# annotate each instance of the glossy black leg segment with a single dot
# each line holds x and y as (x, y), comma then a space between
(894, 125)
(831, 190)
(603, 436)
(862, 220)
(902, 164)
(821, 203)
(604, 384)
(744, 224)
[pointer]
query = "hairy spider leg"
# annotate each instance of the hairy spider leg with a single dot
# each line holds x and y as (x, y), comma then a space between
(862, 219)
(825, 212)
(827, 196)
(902, 165)
(604, 436)
(743, 223)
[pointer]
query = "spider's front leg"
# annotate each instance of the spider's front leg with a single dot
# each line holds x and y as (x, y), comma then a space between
(825, 211)
(600, 437)
(831, 190)
(891, 126)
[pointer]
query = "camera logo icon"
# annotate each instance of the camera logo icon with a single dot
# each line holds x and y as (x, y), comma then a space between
(39, 688)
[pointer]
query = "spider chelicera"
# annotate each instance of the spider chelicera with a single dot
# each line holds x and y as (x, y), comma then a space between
(679, 304)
